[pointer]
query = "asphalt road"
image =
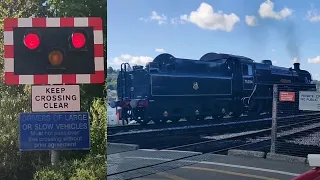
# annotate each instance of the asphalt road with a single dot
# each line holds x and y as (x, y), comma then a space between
(180, 165)
(233, 168)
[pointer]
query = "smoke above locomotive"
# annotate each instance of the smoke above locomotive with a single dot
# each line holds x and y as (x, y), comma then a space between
(170, 88)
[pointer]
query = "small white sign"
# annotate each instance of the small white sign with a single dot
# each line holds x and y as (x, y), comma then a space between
(309, 100)
(55, 98)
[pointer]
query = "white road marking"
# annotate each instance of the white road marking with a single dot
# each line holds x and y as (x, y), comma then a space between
(147, 149)
(251, 168)
(220, 164)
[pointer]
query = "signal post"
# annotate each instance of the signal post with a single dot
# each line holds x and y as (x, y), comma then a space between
(54, 55)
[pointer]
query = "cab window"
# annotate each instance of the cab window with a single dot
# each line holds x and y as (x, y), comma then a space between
(247, 70)
(250, 70)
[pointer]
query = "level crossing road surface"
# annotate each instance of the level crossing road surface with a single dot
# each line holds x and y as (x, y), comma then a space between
(148, 164)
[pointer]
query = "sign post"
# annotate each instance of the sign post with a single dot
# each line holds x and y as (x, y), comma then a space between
(55, 98)
(54, 55)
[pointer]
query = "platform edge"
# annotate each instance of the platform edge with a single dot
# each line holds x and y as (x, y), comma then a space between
(282, 157)
(246, 153)
(121, 145)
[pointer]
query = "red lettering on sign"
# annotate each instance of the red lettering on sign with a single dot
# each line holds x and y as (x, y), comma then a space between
(287, 96)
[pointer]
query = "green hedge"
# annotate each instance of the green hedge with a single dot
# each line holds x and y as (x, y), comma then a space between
(90, 168)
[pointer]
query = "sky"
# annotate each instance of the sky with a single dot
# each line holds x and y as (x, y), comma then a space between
(283, 31)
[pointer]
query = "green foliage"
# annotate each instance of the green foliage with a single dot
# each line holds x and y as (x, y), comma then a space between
(112, 78)
(112, 85)
(16, 165)
(110, 70)
(98, 126)
(89, 168)
(48, 174)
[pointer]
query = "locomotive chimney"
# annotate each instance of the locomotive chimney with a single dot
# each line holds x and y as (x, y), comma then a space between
(296, 66)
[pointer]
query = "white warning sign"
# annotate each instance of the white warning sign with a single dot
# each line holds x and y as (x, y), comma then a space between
(55, 98)
(309, 100)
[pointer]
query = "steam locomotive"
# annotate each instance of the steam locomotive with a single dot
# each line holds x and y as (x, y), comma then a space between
(170, 88)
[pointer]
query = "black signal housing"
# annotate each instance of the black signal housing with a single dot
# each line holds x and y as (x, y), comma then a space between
(35, 61)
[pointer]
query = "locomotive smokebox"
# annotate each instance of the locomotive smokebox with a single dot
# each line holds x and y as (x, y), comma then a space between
(296, 66)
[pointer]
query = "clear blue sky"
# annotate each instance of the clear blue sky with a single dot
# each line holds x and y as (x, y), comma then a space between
(139, 30)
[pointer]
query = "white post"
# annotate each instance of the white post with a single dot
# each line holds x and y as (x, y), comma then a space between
(55, 157)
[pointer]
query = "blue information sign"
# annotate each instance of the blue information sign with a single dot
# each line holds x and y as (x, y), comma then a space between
(54, 131)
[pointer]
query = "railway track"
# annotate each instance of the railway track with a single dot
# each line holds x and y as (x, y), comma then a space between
(256, 140)
(166, 138)
(111, 130)
(137, 127)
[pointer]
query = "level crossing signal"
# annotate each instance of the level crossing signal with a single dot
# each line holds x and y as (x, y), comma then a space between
(54, 51)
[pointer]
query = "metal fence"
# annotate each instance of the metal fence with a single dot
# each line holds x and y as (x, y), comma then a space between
(298, 135)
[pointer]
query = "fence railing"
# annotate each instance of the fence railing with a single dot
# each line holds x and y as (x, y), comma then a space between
(300, 135)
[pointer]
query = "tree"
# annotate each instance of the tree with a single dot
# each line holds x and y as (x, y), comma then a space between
(110, 70)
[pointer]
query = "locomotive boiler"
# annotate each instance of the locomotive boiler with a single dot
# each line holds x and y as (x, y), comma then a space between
(170, 88)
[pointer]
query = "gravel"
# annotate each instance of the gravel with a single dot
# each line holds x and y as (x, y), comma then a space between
(291, 132)
(310, 139)
(192, 126)
(224, 136)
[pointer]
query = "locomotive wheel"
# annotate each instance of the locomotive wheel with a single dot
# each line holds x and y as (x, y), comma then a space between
(190, 119)
(256, 109)
(140, 117)
(195, 118)
(160, 121)
(144, 122)
(199, 118)
(236, 114)
(216, 117)
(266, 107)
(175, 120)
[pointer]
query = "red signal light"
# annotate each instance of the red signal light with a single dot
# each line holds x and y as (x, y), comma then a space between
(31, 41)
(78, 40)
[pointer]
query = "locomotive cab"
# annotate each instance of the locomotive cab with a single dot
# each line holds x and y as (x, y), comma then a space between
(243, 84)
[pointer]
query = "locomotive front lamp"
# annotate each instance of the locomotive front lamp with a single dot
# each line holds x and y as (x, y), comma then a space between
(55, 57)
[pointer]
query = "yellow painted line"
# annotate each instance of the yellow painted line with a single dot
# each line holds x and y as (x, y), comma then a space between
(170, 176)
(230, 172)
